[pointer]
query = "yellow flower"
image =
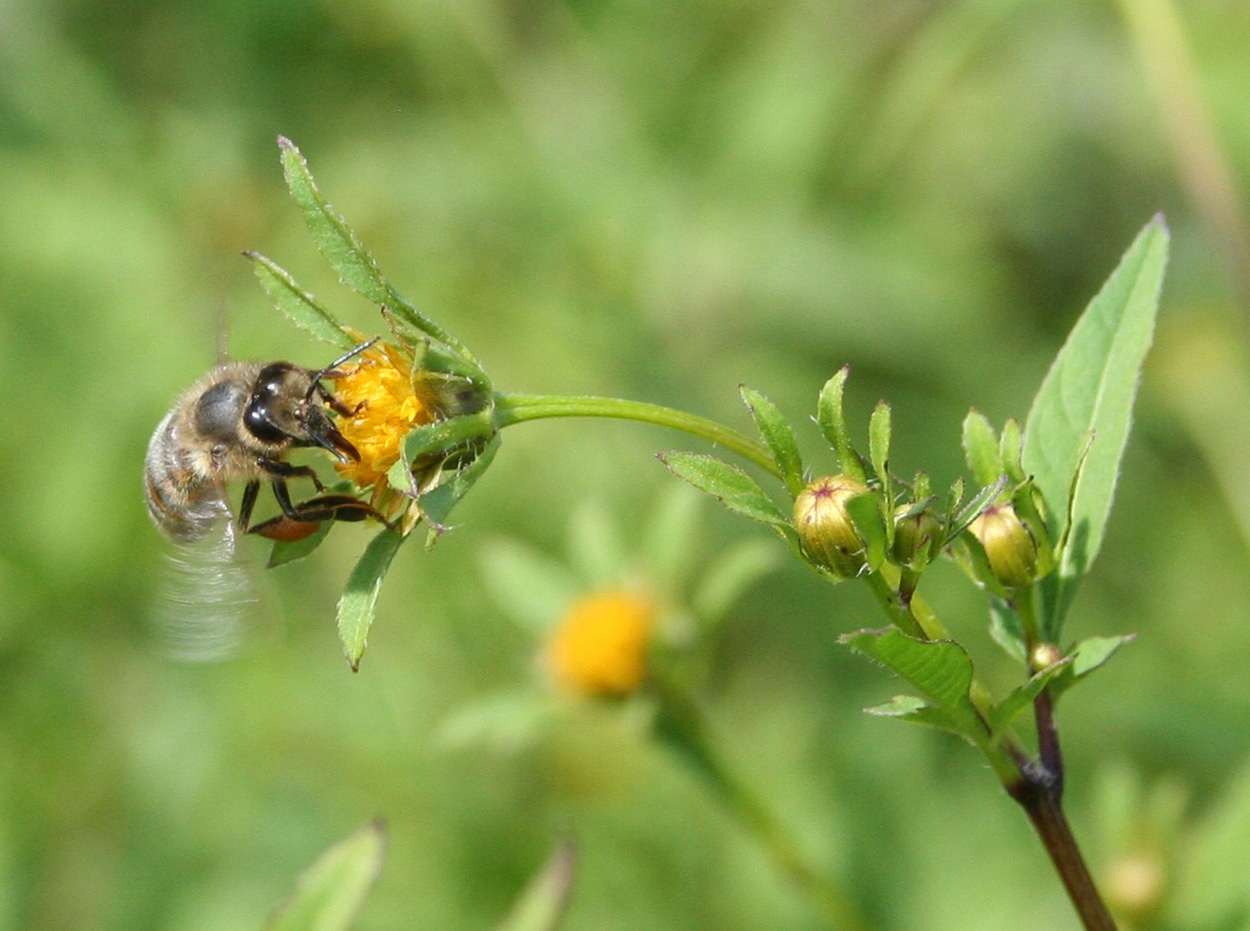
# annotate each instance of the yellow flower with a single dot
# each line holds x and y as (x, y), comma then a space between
(600, 645)
(385, 407)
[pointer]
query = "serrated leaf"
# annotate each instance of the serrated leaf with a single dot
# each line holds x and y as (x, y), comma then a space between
(778, 436)
(916, 711)
(1092, 385)
(360, 596)
(981, 450)
(1005, 712)
(833, 424)
(345, 252)
(543, 903)
(939, 669)
(1089, 656)
(299, 306)
(329, 894)
(728, 484)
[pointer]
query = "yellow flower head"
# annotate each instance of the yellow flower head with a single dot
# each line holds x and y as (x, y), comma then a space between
(600, 645)
(385, 407)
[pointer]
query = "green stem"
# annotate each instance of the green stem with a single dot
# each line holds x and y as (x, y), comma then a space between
(681, 726)
(515, 408)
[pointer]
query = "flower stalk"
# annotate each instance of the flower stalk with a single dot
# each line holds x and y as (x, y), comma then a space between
(515, 408)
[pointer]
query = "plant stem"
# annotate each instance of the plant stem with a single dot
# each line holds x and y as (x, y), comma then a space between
(1041, 803)
(681, 726)
(515, 408)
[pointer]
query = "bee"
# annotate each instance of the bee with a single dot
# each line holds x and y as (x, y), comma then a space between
(239, 423)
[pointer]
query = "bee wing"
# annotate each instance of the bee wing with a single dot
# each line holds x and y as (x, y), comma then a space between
(209, 603)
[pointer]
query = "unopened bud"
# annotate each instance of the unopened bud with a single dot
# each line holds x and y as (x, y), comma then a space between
(825, 529)
(917, 537)
(1011, 549)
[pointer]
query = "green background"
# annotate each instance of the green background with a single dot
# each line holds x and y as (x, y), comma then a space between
(656, 200)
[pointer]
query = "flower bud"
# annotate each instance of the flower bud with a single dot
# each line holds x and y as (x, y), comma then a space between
(1009, 545)
(826, 531)
(917, 537)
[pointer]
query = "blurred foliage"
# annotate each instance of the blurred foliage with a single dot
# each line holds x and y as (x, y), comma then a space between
(655, 200)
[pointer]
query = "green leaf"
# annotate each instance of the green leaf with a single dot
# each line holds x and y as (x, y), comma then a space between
(1007, 710)
(728, 484)
(344, 251)
(730, 574)
(833, 425)
(355, 614)
(535, 589)
(284, 552)
(778, 436)
(981, 449)
(1090, 655)
(543, 903)
(300, 307)
(939, 669)
(1091, 386)
(916, 711)
(329, 894)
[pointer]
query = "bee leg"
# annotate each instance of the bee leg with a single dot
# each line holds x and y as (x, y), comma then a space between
(285, 470)
(335, 404)
(301, 520)
(246, 505)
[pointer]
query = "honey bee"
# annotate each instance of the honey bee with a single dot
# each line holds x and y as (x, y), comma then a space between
(239, 423)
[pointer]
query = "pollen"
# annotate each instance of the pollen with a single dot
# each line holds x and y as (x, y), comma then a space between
(385, 408)
(600, 646)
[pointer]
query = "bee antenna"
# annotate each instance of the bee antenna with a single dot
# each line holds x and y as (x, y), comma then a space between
(317, 376)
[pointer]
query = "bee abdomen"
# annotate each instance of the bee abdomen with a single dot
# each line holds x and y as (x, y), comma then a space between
(183, 502)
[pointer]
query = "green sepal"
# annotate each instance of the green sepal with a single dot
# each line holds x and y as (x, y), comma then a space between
(299, 306)
(727, 484)
(879, 427)
(436, 504)
(1006, 628)
(1091, 386)
(778, 436)
(968, 513)
(1089, 656)
(360, 596)
(329, 894)
(1006, 711)
(432, 440)
(981, 449)
(833, 424)
(939, 669)
(544, 901)
(345, 252)
(1010, 447)
(865, 514)
(916, 711)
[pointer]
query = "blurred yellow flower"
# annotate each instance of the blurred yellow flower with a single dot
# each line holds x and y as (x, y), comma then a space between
(600, 645)
(385, 408)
